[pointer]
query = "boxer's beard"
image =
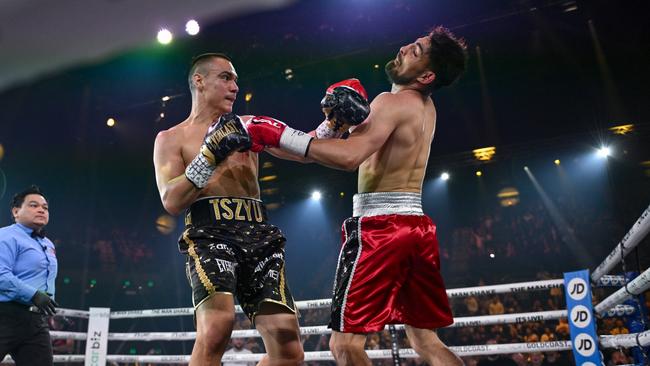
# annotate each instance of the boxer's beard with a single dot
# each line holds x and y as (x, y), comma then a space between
(394, 77)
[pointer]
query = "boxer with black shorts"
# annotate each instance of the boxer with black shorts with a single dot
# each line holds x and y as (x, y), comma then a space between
(389, 269)
(232, 249)
(203, 166)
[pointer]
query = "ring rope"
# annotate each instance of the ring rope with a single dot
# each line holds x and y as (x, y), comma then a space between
(626, 340)
(325, 303)
(633, 237)
(471, 321)
(637, 286)
(463, 351)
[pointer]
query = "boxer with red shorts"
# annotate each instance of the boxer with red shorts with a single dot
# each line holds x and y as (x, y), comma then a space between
(373, 286)
(389, 270)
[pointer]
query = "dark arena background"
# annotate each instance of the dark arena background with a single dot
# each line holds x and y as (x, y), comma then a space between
(540, 163)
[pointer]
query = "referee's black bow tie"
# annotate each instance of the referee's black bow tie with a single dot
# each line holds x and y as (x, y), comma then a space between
(38, 234)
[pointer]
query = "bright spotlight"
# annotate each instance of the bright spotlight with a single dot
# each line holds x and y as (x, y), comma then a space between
(557, 161)
(492, 255)
(604, 152)
(479, 173)
(315, 195)
(165, 36)
(444, 176)
(192, 27)
(110, 122)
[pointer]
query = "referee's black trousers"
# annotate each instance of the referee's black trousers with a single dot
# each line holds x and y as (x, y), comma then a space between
(24, 335)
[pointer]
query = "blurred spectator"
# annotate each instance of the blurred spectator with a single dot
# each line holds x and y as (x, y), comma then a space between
(496, 307)
(536, 359)
(471, 304)
(237, 349)
(496, 360)
(619, 328)
(556, 358)
(619, 358)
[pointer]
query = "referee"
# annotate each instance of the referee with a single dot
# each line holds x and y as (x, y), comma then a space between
(28, 269)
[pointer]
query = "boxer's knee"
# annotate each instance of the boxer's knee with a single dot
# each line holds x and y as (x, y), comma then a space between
(214, 322)
(281, 334)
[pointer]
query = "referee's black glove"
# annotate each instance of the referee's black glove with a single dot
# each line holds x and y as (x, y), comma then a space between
(45, 303)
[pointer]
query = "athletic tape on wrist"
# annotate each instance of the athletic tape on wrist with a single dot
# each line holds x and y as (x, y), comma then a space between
(199, 171)
(324, 131)
(294, 141)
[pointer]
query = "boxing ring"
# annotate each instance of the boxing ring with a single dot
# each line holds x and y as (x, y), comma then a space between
(611, 306)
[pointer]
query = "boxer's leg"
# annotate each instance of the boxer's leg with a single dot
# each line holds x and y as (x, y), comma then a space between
(281, 335)
(263, 293)
(349, 349)
(427, 344)
(214, 322)
(210, 271)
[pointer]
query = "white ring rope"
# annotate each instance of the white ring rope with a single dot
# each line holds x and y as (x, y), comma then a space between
(463, 351)
(607, 307)
(73, 313)
(475, 350)
(505, 288)
(636, 287)
(325, 303)
(471, 321)
(638, 231)
(627, 340)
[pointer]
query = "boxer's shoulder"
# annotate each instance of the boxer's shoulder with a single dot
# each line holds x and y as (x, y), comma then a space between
(175, 130)
(391, 106)
(173, 135)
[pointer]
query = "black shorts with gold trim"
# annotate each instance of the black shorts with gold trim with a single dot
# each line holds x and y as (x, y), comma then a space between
(231, 248)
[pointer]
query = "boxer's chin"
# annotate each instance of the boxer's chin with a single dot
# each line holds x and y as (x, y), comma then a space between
(393, 76)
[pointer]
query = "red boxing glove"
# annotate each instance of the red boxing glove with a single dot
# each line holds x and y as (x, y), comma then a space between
(264, 131)
(353, 84)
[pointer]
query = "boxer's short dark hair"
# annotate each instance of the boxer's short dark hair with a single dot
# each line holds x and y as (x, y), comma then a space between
(200, 60)
(447, 56)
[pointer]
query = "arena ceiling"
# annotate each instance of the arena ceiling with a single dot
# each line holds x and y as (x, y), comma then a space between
(38, 38)
(539, 71)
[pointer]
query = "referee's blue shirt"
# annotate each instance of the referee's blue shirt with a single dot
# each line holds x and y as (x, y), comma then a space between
(26, 264)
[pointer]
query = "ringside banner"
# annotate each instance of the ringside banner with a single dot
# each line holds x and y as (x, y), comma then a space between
(584, 341)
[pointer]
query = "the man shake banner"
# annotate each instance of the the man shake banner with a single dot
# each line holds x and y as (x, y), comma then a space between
(582, 327)
(97, 338)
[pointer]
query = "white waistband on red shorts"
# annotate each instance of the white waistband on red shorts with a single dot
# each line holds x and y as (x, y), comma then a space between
(387, 203)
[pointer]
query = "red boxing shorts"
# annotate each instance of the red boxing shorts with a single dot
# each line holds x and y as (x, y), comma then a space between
(388, 270)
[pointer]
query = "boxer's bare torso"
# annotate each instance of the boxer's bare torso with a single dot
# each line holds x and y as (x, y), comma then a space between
(236, 176)
(400, 164)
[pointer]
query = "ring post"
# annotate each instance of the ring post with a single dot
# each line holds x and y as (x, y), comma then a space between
(97, 338)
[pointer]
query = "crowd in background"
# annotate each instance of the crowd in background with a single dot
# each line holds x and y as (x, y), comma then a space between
(509, 244)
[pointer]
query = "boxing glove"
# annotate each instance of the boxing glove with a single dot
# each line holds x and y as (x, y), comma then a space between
(344, 103)
(222, 139)
(270, 132)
